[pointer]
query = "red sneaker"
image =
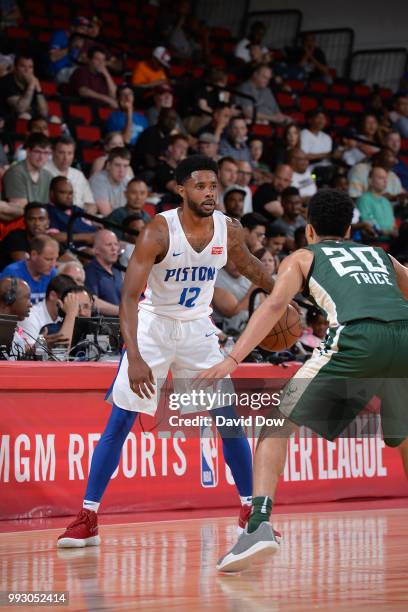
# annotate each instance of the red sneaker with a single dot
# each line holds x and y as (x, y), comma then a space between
(83, 531)
(244, 518)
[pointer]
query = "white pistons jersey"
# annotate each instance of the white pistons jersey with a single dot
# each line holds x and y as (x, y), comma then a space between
(181, 286)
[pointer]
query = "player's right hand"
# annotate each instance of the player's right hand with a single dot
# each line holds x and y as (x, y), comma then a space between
(141, 378)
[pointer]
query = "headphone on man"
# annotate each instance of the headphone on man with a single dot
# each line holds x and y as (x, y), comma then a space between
(10, 296)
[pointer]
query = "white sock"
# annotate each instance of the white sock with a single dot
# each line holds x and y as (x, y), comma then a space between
(91, 505)
(246, 501)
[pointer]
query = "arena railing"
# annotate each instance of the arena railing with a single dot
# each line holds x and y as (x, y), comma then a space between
(282, 27)
(383, 67)
(226, 14)
(337, 45)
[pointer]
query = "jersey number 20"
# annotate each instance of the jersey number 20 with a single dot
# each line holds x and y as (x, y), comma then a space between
(188, 296)
(360, 259)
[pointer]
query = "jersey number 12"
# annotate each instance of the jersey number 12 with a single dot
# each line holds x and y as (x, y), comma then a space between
(188, 296)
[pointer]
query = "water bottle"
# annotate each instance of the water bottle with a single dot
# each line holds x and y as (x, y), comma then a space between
(41, 349)
(228, 346)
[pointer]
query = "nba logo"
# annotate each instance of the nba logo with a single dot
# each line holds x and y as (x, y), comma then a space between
(208, 456)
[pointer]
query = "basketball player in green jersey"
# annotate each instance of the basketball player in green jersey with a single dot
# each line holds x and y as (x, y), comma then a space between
(363, 292)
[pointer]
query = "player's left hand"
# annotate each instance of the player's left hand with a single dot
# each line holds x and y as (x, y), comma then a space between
(220, 370)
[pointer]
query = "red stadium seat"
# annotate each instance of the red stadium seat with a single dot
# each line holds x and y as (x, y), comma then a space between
(54, 108)
(262, 130)
(353, 106)
(318, 87)
(55, 130)
(16, 32)
(341, 120)
(361, 91)
(307, 103)
(21, 127)
(404, 144)
(89, 155)
(385, 92)
(104, 112)
(285, 100)
(88, 133)
(177, 71)
(38, 22)
(340, 89)
(297, 117)
(296, 85)
(79, 111)
(331, 104)
(49, 88)
(150, 209)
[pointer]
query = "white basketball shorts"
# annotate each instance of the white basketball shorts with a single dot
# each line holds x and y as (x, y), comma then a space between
(182, 347)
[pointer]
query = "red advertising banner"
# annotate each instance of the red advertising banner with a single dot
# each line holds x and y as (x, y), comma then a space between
(52, 416)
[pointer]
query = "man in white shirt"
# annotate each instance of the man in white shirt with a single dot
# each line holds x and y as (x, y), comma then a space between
(63, 153)
(302, 177)
(255, 36)
(109, 186)
(314, 142)
(46, 312)
(244, 178)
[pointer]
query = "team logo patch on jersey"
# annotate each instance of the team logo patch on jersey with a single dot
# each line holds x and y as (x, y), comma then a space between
(217, 250)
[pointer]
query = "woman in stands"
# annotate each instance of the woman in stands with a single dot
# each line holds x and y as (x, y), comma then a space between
(111, 140)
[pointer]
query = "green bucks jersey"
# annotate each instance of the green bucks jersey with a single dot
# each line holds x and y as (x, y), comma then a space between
(351, 281)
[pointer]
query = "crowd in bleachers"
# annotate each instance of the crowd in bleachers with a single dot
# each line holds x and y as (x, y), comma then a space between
(100, 101)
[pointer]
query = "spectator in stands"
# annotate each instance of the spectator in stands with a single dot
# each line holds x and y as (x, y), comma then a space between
(256, 34)
(111, 141)
(21, 306)
(63, 153)
(234, 143)
(289, 142)
(347, 151)
(61, 209)
(38, 125)
(76, 301)
(369, 131)
(302, 177)
(208, 145)
(165, 171)
(154, 141)
(399, 116)
(20, 91)
(393, 142)
(16, 244)
(243, 180)
(314, 142)
(231, 281)
(153, 71)
(212, 94)
(136, 223)
(291, 218)
(374, 207)
(300, 238)
(265, 105)
(310, 60)
(227, 176)
(102, 279)
(163, 98)
(73, 269)
(65, 48)
(359, 175)
(28, 181)
(93, 81)
(136, 195)
(126, 120)
(261, 170)
(275, 240)
(220, 119)
(254, 226)
(188, 37)
(234, 201)
(46, 312)
(266, 199)
(318, 325)
(108, 186)
(39, 269)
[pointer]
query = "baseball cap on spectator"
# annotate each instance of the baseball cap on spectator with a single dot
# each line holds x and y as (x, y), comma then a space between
(207, 138)
(162, 55)
(81, 21)
(232, 188)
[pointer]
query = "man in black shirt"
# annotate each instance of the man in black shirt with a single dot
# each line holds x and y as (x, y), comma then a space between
(20, 91)
(266, 200)
(165, 171)
(16, 245)
(153, 142)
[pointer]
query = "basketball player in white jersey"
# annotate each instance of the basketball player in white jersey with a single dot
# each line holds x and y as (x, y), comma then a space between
(175, 264)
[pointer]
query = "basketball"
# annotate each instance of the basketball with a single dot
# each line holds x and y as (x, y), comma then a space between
(285, 333)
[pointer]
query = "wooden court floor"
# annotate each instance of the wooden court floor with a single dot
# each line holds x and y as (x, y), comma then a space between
(350, 560)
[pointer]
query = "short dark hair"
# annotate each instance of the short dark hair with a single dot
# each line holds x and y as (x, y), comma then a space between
(57, 179)
(33, 206)
(77, 289)
(177, 137)
(289, 192)
(59, 284)
(192, 164)
(252, 220)
(330, 212)
(130, 218)
(95, 49)
(313, 313)
(122, 152)
(226, 159)
(21, 56)
(64, 140)
(274, 232)
(37, 140)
